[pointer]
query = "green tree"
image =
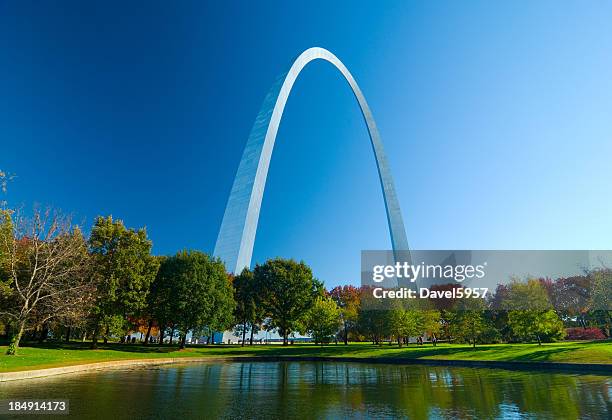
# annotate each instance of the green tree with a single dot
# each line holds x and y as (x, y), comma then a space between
(289, 290)
(405, 323)
(373, 317)
(249, 311)
(432, 324)
(201, 295)
(530, 312)
(529, 324)
(158, 308)
(124, 269)
(322, 320)
(469, 323)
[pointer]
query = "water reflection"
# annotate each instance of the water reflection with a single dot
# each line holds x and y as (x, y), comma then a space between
(323, 390)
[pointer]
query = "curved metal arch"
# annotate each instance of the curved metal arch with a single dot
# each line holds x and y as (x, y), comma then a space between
(237, 234)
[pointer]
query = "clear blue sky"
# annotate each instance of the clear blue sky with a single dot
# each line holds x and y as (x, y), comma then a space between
(497, 119)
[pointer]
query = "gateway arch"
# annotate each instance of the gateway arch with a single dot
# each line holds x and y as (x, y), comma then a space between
(237, 234)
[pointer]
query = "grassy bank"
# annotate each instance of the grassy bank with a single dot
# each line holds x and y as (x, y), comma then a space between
(56, 355)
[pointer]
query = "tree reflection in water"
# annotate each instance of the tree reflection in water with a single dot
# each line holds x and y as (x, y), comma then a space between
(329, 390)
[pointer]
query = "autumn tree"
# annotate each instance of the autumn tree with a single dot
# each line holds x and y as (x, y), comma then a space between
(348, 300)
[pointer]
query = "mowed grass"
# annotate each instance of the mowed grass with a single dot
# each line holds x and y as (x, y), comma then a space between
(55, 355)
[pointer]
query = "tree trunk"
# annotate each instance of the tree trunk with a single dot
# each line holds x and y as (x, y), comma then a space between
(148, 333)
(474, 336)
(84, 336)
(251, 339)
(539, 341)
(44, 331)
(171, 335)
(94, 338)
(183, 339)
(12, 348)
(243, 332)
(345, 334)
(285, 339)
(67, 339)
(399, 341)
(162, 328)
(106, 335)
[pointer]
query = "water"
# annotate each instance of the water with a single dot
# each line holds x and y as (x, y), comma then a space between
(322, 390)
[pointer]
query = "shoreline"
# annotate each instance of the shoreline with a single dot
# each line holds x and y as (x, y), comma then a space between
(491, 364)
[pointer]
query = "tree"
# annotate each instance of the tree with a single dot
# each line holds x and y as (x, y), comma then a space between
(373, 318)
(527, 324)
(404, 323)
(289, 290)
(569, 295)
(201, 293)
(124, 269)
(469, 322)
(249, 311)
(432, 324)
(6, 240)
(244, 301)
(348, 300)
(530, 312)
(158, 310)
(46, 261)
(322, 320)
(601, 295)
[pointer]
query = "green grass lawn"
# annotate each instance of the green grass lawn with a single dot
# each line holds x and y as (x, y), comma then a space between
(54, 355)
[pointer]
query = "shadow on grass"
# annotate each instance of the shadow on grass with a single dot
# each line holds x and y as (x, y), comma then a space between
(506, 352)
(509, 353)
(131, 348)
(219, 349)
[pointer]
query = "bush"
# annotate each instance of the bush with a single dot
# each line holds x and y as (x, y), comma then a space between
(591, 333)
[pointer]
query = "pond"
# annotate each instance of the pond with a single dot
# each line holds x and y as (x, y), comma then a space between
(322, 390)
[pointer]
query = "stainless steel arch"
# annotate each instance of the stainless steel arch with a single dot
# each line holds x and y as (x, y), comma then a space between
(239, 226)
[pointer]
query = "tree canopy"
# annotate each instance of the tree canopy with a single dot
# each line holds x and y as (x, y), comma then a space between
(289, 290)
(124, 269)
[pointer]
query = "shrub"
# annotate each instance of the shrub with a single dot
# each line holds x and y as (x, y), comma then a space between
(591, 333)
